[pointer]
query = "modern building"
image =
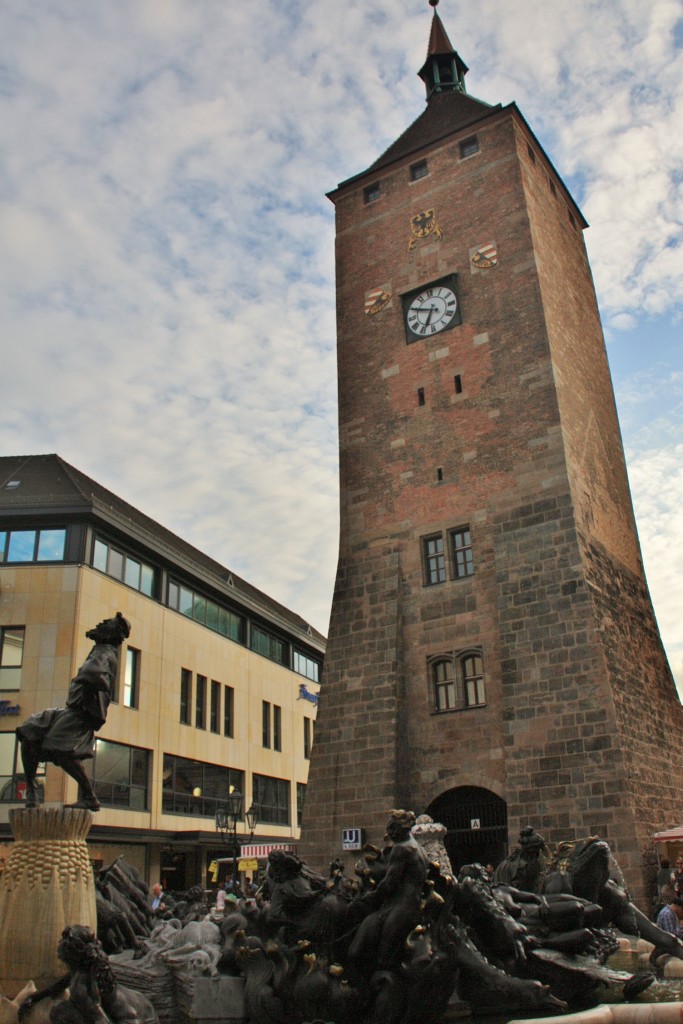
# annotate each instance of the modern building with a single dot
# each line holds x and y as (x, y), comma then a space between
(217, 690)
(493, 658)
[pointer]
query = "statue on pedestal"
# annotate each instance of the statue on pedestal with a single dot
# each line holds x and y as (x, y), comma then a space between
(66, 736)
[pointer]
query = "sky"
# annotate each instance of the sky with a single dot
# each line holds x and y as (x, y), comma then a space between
(167, 320)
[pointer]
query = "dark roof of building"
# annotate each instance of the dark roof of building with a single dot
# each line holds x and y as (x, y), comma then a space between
(48, 484)
(446, 113)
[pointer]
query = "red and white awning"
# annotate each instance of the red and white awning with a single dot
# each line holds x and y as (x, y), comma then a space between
(261, 850)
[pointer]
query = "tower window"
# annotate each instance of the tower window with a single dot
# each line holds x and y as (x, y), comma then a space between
(457, 381)
(420, 396)
(371, 193)
(468, 147)
(457, 681)
(572, 219)
(419, 170)
(473, 678)
(461, 552)
(439, 474)
(551, 183)
(443, 678)
(532, 155)
(434, 560)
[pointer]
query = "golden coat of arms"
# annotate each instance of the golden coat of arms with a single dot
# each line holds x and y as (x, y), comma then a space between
(421, 225)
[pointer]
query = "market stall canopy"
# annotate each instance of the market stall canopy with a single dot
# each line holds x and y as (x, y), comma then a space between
(671, 835)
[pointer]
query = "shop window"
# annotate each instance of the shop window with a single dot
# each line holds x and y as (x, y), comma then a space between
(120, 775)
(272, 797)
(196, 787)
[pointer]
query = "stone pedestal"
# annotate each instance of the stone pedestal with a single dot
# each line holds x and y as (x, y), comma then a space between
(47, 884)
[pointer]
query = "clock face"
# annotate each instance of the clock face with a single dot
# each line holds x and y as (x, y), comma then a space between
(431, 310)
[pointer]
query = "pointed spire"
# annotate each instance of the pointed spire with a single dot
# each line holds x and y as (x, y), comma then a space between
(443, 70)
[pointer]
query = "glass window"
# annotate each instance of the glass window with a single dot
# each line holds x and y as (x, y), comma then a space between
(120, 775)
(51, 545)
(185, 603)
(434, 559)
(194, 787)
(444, 685)
(308, 737)
(215, 705)
(21, 546)
(228, 711)
(265, 723)
(121, 566)
(147, 580)
(11, 656)
(115, 564)
(132, 575)
(306, 666)
(468, 147)
(131, 678)
(200, 703)
(272, 797)
(212, 615)
(473, 675)
(13, 782)
(3, 543)
(268, 645)
(185, 696)
(99, 558)
(277, 727)
(419, 170)
(461, 547)
(300, 797)
(371, 193)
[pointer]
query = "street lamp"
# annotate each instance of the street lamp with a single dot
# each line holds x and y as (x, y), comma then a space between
(227, 817)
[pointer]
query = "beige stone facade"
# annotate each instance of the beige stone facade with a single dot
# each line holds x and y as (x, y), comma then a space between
(53, 603)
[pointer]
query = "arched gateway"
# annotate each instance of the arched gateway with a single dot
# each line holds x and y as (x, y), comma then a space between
(476, 820)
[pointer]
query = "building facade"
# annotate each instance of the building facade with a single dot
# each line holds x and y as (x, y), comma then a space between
(493, 657)
(217, 690)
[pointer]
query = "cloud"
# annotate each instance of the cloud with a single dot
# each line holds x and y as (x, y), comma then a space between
(167, 253)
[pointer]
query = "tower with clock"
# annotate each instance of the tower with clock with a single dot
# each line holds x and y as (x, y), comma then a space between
(493, 657)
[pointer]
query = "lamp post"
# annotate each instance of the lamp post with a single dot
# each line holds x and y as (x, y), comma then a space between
(227, 817)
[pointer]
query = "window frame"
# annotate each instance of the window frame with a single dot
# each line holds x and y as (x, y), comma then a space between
(469, 147)
(466, 686)
(215, 707)
(11, 670)
(433, 559)
(462, 565)
(213, 781)
(186, 703)
(229, 711)
(371, 193)
(261, 790)
(419, 170)
(200, 702)
(130, 786)
(130, 690)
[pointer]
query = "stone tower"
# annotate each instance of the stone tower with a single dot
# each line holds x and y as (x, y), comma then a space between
(493, 656)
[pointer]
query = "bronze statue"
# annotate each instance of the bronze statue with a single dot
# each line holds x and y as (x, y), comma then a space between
(95, 997)
(66, 736)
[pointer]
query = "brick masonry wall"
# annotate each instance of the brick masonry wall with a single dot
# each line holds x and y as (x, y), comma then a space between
(528, 456)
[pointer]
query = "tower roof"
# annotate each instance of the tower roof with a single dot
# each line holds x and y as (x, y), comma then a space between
(439, 43)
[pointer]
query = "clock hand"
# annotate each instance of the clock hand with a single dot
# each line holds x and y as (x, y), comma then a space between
(432, 309)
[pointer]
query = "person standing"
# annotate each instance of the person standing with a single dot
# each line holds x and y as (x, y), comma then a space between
(670, 917)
